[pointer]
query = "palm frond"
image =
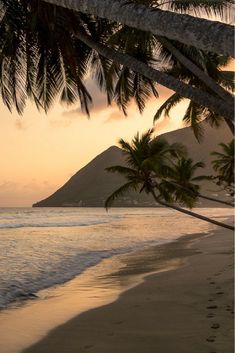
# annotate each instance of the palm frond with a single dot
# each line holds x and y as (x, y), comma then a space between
(121, 170)
(202, 177)
(169, 104)
(119, 192)
(193, 116)
(220, 8)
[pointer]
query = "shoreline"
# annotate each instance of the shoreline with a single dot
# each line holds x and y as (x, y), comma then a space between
(32, 321)
(188, 307)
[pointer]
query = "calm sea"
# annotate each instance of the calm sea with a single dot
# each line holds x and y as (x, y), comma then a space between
(43, 247)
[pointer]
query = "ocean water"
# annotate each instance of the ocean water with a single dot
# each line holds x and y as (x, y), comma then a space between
(44, 247)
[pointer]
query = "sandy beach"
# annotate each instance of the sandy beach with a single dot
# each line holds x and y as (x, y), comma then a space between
(187, 309)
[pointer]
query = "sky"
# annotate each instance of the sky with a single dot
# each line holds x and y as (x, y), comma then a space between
(39, 152)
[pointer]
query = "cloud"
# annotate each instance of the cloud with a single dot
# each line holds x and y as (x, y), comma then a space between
(161, 124)
(100, 104)
(20, 124)
(115, 115)
(7, 185)
(58, 123)
(24, 194)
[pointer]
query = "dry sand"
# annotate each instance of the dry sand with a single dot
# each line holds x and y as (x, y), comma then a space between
(185, 310)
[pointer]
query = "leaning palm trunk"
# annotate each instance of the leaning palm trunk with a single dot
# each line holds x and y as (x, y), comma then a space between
(190, 213)
(215, 200)
(192, 93)
(197, 194)
(201, 33)
(206, 79)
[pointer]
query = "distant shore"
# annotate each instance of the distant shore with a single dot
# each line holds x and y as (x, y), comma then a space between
(186, 309)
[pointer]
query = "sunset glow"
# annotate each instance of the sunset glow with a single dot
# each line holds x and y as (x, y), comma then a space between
(41, 152)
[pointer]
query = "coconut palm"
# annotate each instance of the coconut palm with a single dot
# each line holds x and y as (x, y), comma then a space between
(182, 183)
(201, 33)
(205, 99)
(139, 156)
(200, 69)
(224, 166)
(161, 51)
(128, 39)
(57, 74)
(53, 55)
(144, 45)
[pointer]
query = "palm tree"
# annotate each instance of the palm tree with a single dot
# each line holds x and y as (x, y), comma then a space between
(182, 183)
(201, 33)
(187, 63)
(200, 69)
(43, 67)
(205, 99)
(140, 175)
(53, 56)
(224, 165)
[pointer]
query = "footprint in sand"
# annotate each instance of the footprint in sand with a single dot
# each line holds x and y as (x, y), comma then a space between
(229, 308)
(211, 339)
(219, 293)
(215, 326)
(118, 322)
(210, 315)
(212, 307)
(220, 272)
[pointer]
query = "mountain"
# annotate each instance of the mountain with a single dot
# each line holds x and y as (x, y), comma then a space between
(91, 185)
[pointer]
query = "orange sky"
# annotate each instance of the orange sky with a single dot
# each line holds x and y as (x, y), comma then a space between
(41, 152)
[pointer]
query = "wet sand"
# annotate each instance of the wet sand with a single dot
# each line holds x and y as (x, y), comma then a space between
(187, 309)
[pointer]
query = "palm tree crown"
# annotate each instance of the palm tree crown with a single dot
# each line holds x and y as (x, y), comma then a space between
(140, 155)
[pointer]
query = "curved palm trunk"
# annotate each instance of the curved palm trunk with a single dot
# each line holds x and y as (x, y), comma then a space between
(207, 80)
(203, 34)
(202, 196)
(192, 93)
(198, 72)
(215, 200)
(190, 213)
